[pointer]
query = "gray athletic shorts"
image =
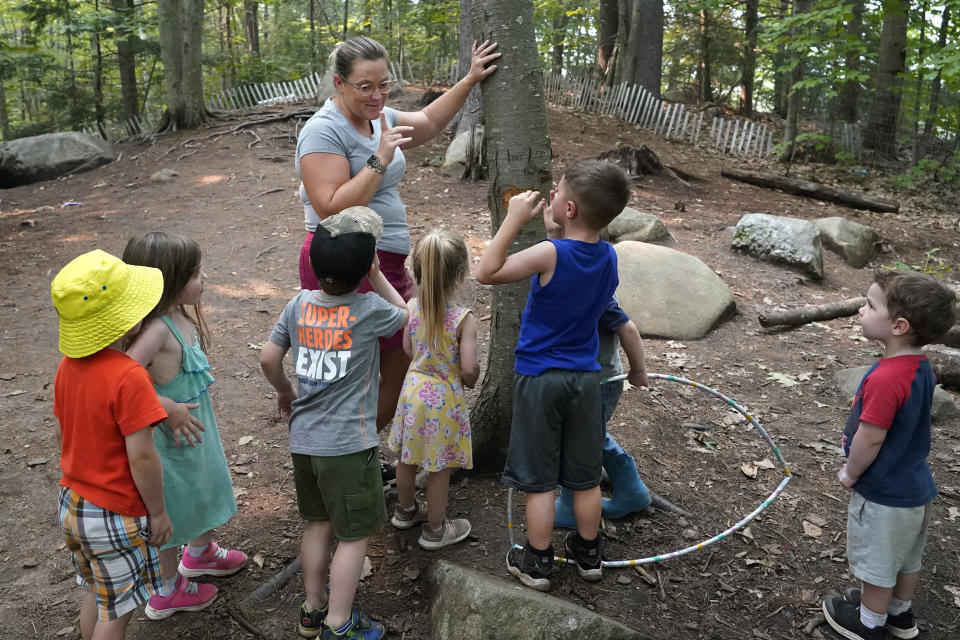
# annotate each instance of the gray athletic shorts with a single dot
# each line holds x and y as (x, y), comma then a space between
(556, 436)
(884, 541)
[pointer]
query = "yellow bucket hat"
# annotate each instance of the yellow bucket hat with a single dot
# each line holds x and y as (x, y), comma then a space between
(99, 298)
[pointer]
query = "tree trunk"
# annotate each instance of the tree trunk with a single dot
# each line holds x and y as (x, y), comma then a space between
(251, 26)
(558, 40)
(794, 96)
(848, 98)
(937, 81)
(781, 77)
(607, 23)
(127, 62)
(181, 30)
(805, 315)
(811, 189)
(346, 15)
(704, 75)
(881, 132)
(97, 55)
(518, 155)
(751, 19)
(472, 111)
(4, 115)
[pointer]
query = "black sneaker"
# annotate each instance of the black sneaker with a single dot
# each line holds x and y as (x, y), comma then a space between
(589, 561)
(311, 622)
(532, 570)
(844, 617)
(901, 625)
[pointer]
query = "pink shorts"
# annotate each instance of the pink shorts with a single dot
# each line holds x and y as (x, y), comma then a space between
(391, 265)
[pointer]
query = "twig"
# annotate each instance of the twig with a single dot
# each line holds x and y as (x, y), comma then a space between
(779, 609)
(237, 615)
(185, 155)
(813, 623)
(168, 152)
(645, 575)
(666, 505)
(267, 250)
(254, 134)
(269, 191)
(267, 589)
(707, 563)
(663, 593)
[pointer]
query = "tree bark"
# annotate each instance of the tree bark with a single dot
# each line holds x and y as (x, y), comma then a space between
(471, 113)
(781, 77)
(704, 74)
(558, 39)
(751, 19)
(251, 26)
(806, 315)
(181, 31)
(608, 23)
(641, 56)
(936, 83)
(518, 155)
(849, 96)
(794, 96)
(881, 132)
(127, 62)
(814, 190)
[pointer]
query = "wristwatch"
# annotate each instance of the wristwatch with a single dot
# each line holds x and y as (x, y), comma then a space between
(373, 162)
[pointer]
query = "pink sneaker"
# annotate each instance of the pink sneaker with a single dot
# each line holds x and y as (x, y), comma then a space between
(187, 596)
(215, 561)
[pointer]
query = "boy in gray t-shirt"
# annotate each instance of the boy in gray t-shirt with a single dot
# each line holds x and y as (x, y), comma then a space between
(333, 334)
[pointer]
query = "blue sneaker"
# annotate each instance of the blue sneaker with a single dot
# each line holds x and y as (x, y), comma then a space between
(358, 627)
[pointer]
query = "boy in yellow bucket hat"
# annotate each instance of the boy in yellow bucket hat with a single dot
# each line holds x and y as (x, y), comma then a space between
(111, 506)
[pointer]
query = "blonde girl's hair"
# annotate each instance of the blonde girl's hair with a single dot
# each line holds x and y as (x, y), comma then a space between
(178, 258)
(440, 263)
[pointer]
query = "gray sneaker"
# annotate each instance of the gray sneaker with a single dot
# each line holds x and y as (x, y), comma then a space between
(451, 532)
(403, 519)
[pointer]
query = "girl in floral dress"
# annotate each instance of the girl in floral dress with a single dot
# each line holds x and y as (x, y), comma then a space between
(431, 428)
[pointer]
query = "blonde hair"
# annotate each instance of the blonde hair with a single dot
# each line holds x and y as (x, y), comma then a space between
(178, 258)
(440, 263)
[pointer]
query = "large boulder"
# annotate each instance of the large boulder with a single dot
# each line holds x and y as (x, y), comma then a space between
(670, 294)
(470, 605)
(50, 156)
(856, 243)
(635, 225)
(847, 380)
(455, 161)
(789, 241)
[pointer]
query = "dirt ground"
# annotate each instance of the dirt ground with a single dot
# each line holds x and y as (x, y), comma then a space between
(240, 204)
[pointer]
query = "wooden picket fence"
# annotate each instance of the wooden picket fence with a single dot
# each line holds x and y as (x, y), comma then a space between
(672, 120)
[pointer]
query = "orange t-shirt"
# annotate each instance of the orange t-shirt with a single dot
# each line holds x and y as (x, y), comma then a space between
(99, 400)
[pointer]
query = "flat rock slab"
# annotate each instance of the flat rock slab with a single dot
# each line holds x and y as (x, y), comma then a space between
(848, 380)
(790, 241)
(470, 605)
(668, 293)
(50, 156)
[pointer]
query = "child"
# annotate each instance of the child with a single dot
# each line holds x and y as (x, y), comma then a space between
(556, 433)
(198, 490)
(111, 495)
(432, 425)
(887, 441)
(629, 493)
(333, 411)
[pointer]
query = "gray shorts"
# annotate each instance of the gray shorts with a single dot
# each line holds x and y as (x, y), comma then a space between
(885, 541)
(556, 436)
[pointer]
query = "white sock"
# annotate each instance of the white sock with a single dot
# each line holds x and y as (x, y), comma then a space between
(196, 552)
(896, 607)
(169, 584)
(871, 620)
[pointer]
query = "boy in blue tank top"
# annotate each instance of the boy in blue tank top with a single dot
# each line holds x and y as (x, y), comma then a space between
(556, 435)
(887, 441)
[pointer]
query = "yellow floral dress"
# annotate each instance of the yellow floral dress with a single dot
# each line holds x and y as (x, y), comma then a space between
(432, 424)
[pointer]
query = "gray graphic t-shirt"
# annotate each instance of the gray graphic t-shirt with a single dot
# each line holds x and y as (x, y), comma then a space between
(333, 344)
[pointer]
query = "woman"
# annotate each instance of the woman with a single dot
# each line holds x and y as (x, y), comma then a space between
(349, 153)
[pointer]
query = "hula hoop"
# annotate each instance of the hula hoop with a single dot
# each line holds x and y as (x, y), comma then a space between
(709, 541)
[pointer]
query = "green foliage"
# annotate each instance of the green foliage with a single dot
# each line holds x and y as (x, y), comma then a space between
(932, 265)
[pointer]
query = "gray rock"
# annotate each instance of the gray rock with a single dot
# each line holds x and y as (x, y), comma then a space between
(856, 243)
(163, 175)
(635, 225)
(470, 605)
(455, 161)
(789, 241)
(847, 380)
(50, 156)
(670, 294)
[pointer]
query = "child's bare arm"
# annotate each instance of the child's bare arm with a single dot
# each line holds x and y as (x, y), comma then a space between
(271, 363)
(632, 345)
(382, 287)
(469, 360)
(147, 474)
(496, 267)
(863, 451)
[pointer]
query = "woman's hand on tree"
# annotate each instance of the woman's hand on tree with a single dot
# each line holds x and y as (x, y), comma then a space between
(480, 57)
(390, 139)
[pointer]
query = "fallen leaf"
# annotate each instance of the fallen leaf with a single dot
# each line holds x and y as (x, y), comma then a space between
(256, 346)
(808, 596)
(65, 631)
(746, 533)
(36, 462)
(748, 469)
(764, 464)
(952, 513)
(773, 548)
(813, 518)
(954, 591)
(245, 440)
(258, 558)
(783, 379)
(811, 530)
(367, 568)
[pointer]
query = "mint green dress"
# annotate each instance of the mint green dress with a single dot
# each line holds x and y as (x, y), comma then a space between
(197, 488)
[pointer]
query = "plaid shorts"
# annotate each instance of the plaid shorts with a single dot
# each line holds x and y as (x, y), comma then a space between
(110, 554)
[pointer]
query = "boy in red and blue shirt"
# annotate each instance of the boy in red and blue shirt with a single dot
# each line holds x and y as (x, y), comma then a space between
(887, 441)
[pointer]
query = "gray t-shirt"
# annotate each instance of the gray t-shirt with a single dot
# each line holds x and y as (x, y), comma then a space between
(329, 131)
(333, 344)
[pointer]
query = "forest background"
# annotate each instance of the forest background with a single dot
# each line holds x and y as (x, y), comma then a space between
(891, 68)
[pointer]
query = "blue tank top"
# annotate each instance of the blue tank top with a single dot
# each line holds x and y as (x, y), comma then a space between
(558, 328)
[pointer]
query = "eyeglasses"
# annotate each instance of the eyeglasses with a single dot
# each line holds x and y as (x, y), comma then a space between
(367, 89)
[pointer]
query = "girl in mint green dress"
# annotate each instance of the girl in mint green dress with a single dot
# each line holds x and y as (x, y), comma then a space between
(197, 488)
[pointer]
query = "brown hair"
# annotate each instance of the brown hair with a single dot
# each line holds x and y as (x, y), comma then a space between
(440, 262)
(929, 305)
(178, 258)
(346, 53)
(600, 189)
